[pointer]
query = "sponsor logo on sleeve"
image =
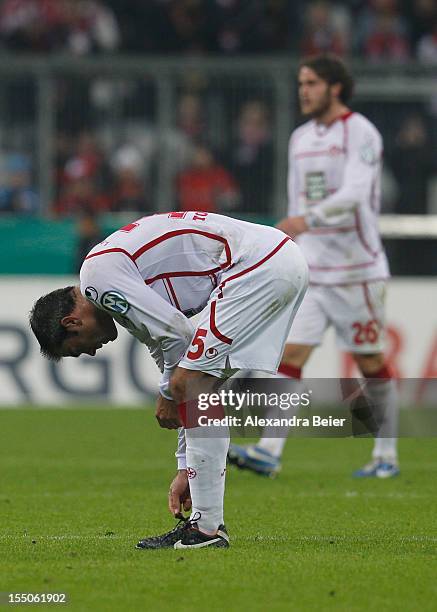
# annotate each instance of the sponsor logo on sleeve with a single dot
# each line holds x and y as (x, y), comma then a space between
(115, 302)
(368, 153)
(91, 294)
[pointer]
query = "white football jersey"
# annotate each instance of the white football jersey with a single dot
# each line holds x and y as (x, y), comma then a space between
(334, 179)
(155, 273)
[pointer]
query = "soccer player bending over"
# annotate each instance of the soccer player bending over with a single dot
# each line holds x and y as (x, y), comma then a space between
(334, 188)
(246, 281)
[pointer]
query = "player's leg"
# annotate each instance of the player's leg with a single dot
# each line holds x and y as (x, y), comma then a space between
(358, 317)
(244, 326)
(205, 472)
(306, 333)
(293, 360)
(206, 460)
(382, 391)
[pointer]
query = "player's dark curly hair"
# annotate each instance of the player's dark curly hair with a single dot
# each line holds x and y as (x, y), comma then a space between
(45, 320)
(331, 69)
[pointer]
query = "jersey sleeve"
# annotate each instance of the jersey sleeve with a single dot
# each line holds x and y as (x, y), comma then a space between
(292, 182)
(115, 284)
(362, 166)
(181, 451)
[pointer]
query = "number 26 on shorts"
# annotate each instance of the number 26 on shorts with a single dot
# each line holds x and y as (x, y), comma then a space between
(198, 343)
(366, 332)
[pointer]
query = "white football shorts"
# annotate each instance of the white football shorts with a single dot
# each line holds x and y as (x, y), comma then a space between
(246, 322)
(355, 311)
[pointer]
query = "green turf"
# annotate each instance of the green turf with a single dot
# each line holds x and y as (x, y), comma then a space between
(79, 487)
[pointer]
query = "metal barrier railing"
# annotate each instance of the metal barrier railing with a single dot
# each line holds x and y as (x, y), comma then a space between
(120, 98)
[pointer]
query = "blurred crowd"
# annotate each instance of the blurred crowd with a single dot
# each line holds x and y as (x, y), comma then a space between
(219, 146)
(377, 30)
(66, 26)
(233, 175)
(105, 168)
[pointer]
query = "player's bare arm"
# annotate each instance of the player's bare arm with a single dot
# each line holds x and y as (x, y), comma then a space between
(179, 497)
(293, 226)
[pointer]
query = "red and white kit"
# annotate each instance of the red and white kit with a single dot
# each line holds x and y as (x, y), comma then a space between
(245, 280)
(334, 180)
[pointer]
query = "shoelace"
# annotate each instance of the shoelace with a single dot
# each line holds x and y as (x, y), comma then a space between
(181, 524)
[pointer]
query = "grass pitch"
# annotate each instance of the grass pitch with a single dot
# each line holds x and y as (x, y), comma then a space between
(80, 487)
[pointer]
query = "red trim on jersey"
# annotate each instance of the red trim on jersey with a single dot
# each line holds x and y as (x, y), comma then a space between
(114, 250)
(346, 115)
(342, 117)
(384, 372)
(322, 153)
(251, 268)
(351, 267)
(149, 281)
(168, 292)
(173, 293)
(369, 301)
(332, 230)
(174, 233)
(290, 371)
(361, 236)
(177, 214)
(371, 280)
(374, 254)
(345, 132)
(213, 326)
(129, 227)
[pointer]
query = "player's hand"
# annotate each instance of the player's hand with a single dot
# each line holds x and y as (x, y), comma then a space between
(179, 497)
(293, 226)
(167, 413)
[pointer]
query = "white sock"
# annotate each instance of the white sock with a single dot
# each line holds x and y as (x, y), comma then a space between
(206, 465)
(384, 395)
(275, 445)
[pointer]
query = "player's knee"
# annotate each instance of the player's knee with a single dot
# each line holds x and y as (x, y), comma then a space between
(369, 364)
(185, 383)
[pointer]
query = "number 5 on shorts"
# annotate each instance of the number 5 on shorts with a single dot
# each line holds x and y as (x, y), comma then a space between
(198, 343)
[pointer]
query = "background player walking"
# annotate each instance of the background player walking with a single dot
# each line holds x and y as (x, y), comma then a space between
(334, 187)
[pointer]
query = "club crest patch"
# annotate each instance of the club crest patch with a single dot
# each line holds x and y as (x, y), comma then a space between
(115, 302)
(91, 293)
